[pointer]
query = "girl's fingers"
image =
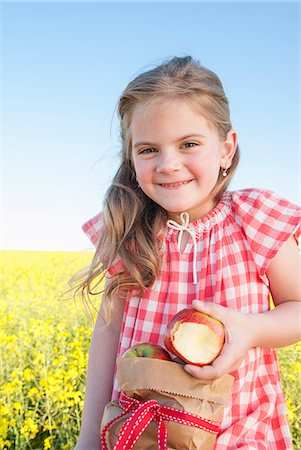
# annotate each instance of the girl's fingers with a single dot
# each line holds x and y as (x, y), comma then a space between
(226, 362)
(212, 309)
(237, 341)
(212, 371)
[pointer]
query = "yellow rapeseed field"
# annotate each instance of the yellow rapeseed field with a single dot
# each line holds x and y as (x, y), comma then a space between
(43, 354)
(43, 351)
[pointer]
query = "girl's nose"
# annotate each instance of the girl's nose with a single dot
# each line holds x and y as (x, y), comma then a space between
(168, 162)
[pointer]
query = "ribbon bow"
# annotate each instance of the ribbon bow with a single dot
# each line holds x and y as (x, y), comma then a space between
(181, 228)
(143, 413)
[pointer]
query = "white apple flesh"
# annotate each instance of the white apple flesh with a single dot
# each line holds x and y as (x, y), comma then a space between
(194, 337)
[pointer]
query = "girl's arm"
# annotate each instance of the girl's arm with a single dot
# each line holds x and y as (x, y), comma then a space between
(101, 366)
(282, 325)
(276, 328)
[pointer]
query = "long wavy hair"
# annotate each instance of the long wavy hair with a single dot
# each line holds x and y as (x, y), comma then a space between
(131, 220)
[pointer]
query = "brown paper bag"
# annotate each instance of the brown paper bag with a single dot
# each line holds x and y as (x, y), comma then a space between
(167, 382)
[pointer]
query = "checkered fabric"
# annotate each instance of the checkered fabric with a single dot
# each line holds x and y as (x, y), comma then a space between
(235, 244)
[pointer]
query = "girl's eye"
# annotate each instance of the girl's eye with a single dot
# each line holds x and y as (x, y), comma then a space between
(190, 144)
(145, 151)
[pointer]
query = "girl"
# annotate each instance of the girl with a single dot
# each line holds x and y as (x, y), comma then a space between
(171, 236)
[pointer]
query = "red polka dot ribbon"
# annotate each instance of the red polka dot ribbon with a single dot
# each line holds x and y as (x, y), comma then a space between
(143, 413)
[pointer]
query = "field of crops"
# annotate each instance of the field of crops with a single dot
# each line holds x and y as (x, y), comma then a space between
(44, 340)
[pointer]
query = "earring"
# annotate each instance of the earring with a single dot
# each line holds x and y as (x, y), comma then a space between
(225, 173)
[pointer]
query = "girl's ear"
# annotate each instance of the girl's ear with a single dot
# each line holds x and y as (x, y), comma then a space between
(229, 148)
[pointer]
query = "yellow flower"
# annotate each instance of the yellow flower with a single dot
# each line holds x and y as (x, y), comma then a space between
(17, 406)
(29, 429)
(28, 374)
(4, 410)
(297, 366)
(47, 442)
(290, 410)
(291, 376)
(33, 392)
(4, 444)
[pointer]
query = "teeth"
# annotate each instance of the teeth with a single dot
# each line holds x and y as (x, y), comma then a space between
(174, 184)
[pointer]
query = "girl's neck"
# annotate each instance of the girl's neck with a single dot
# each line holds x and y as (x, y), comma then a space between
(195, 213)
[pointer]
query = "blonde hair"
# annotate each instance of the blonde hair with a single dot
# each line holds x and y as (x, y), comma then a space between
(131, 219)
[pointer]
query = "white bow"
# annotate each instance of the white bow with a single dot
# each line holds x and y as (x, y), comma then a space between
(181, 228)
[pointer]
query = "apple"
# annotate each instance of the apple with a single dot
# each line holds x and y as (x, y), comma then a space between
(147, 350)
(194, 337)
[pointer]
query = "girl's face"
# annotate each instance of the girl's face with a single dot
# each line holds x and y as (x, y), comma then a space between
(177, 156)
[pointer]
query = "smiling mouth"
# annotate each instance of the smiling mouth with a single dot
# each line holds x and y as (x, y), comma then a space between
(174, 185)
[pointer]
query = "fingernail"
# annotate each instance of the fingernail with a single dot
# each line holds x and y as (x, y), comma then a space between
(188, 369)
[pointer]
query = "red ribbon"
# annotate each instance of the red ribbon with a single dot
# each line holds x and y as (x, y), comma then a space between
(143, 413)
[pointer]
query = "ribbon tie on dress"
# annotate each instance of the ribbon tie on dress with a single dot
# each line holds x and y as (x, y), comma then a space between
(181, 228)
(143, 413)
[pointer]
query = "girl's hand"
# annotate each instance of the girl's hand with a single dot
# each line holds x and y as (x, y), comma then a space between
(238, 340)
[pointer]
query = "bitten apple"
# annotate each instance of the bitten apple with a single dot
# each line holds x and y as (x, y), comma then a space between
(194, 337)
(147, 350)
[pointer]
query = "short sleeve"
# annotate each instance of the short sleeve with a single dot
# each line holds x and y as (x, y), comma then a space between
(93, 229)
(267, 220)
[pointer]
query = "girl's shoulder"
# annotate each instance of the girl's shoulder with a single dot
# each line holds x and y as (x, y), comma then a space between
(264, 206)
(266, 220)
(260, 197)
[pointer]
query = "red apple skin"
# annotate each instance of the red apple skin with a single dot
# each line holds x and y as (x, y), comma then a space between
(192, 315)
(147, 350)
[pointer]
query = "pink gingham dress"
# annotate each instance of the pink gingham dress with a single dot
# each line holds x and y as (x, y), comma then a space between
(235, 243)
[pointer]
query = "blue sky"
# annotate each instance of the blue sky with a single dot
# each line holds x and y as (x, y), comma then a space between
(64, 66)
